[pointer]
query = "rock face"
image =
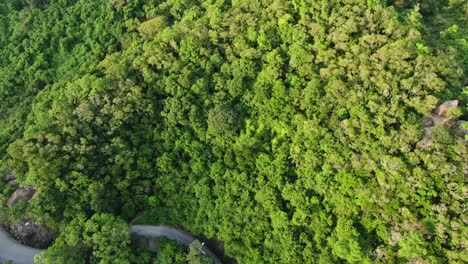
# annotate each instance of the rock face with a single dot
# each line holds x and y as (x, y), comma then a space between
(29, 233)
(19, 194)
(445, 107)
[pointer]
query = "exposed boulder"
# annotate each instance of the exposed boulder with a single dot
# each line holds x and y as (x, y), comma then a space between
(9, 175)
(428, 121)
(13, 182)
(439, 117)
(445, 107)
(427, 140)
(436, 120)
(36, 194)
(20, 194)
(30, 233)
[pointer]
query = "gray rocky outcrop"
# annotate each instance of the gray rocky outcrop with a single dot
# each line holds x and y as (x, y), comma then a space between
(30, 233)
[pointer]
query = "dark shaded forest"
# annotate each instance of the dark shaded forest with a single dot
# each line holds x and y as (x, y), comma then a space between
(286, 129)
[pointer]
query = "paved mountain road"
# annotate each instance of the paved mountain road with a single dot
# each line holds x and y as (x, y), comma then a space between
(12, 250)
(172, 234)
(21, 254)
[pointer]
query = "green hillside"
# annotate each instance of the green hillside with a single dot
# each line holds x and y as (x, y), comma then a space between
(288, 130)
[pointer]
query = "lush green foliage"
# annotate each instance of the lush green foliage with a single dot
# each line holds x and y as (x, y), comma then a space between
(287, 129)
(104, 234)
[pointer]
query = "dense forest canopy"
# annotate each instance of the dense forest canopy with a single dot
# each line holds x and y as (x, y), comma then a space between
(286, 129)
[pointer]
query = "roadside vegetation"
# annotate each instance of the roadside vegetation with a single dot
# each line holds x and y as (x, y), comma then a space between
(286, 129)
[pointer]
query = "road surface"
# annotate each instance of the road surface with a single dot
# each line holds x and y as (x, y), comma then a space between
(21, 254)
(12, 250)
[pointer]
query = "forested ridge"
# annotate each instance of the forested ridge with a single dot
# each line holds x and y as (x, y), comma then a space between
(287, 129)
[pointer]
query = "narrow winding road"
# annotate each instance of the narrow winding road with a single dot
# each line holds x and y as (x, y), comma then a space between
(21, 254)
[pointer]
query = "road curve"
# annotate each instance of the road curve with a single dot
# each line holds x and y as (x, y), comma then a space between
(21, 254)
(12, 250)
(172, 234)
